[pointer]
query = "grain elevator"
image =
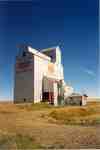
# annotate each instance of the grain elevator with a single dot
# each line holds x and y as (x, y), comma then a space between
(39, 76)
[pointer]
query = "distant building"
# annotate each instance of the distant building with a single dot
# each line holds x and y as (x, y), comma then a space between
(39, 76)
(76, 99)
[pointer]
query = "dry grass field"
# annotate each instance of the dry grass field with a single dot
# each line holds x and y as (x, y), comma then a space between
(41, 126)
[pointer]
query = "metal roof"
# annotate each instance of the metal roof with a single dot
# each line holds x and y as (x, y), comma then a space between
(48, 49)
(36, 52)
(75, 94)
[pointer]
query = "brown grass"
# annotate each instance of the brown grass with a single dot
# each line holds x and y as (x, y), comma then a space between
(86, 115)
(28, 126)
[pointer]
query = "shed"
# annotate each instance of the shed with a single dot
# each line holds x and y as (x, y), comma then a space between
(76, 99)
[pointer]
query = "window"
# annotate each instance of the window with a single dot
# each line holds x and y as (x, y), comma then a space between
(24, 54)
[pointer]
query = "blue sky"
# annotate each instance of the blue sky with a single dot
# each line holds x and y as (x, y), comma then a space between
(71, 24)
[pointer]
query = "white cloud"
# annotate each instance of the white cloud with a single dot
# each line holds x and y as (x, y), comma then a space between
(89, 72)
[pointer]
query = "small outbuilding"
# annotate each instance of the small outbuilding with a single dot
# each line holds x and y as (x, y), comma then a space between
(76, 99)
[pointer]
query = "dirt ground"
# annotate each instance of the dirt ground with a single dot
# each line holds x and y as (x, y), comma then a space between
(20, 125)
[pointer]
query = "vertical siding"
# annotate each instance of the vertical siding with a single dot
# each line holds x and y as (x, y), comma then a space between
(55, 94)
(84, 100)
(40, 68)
